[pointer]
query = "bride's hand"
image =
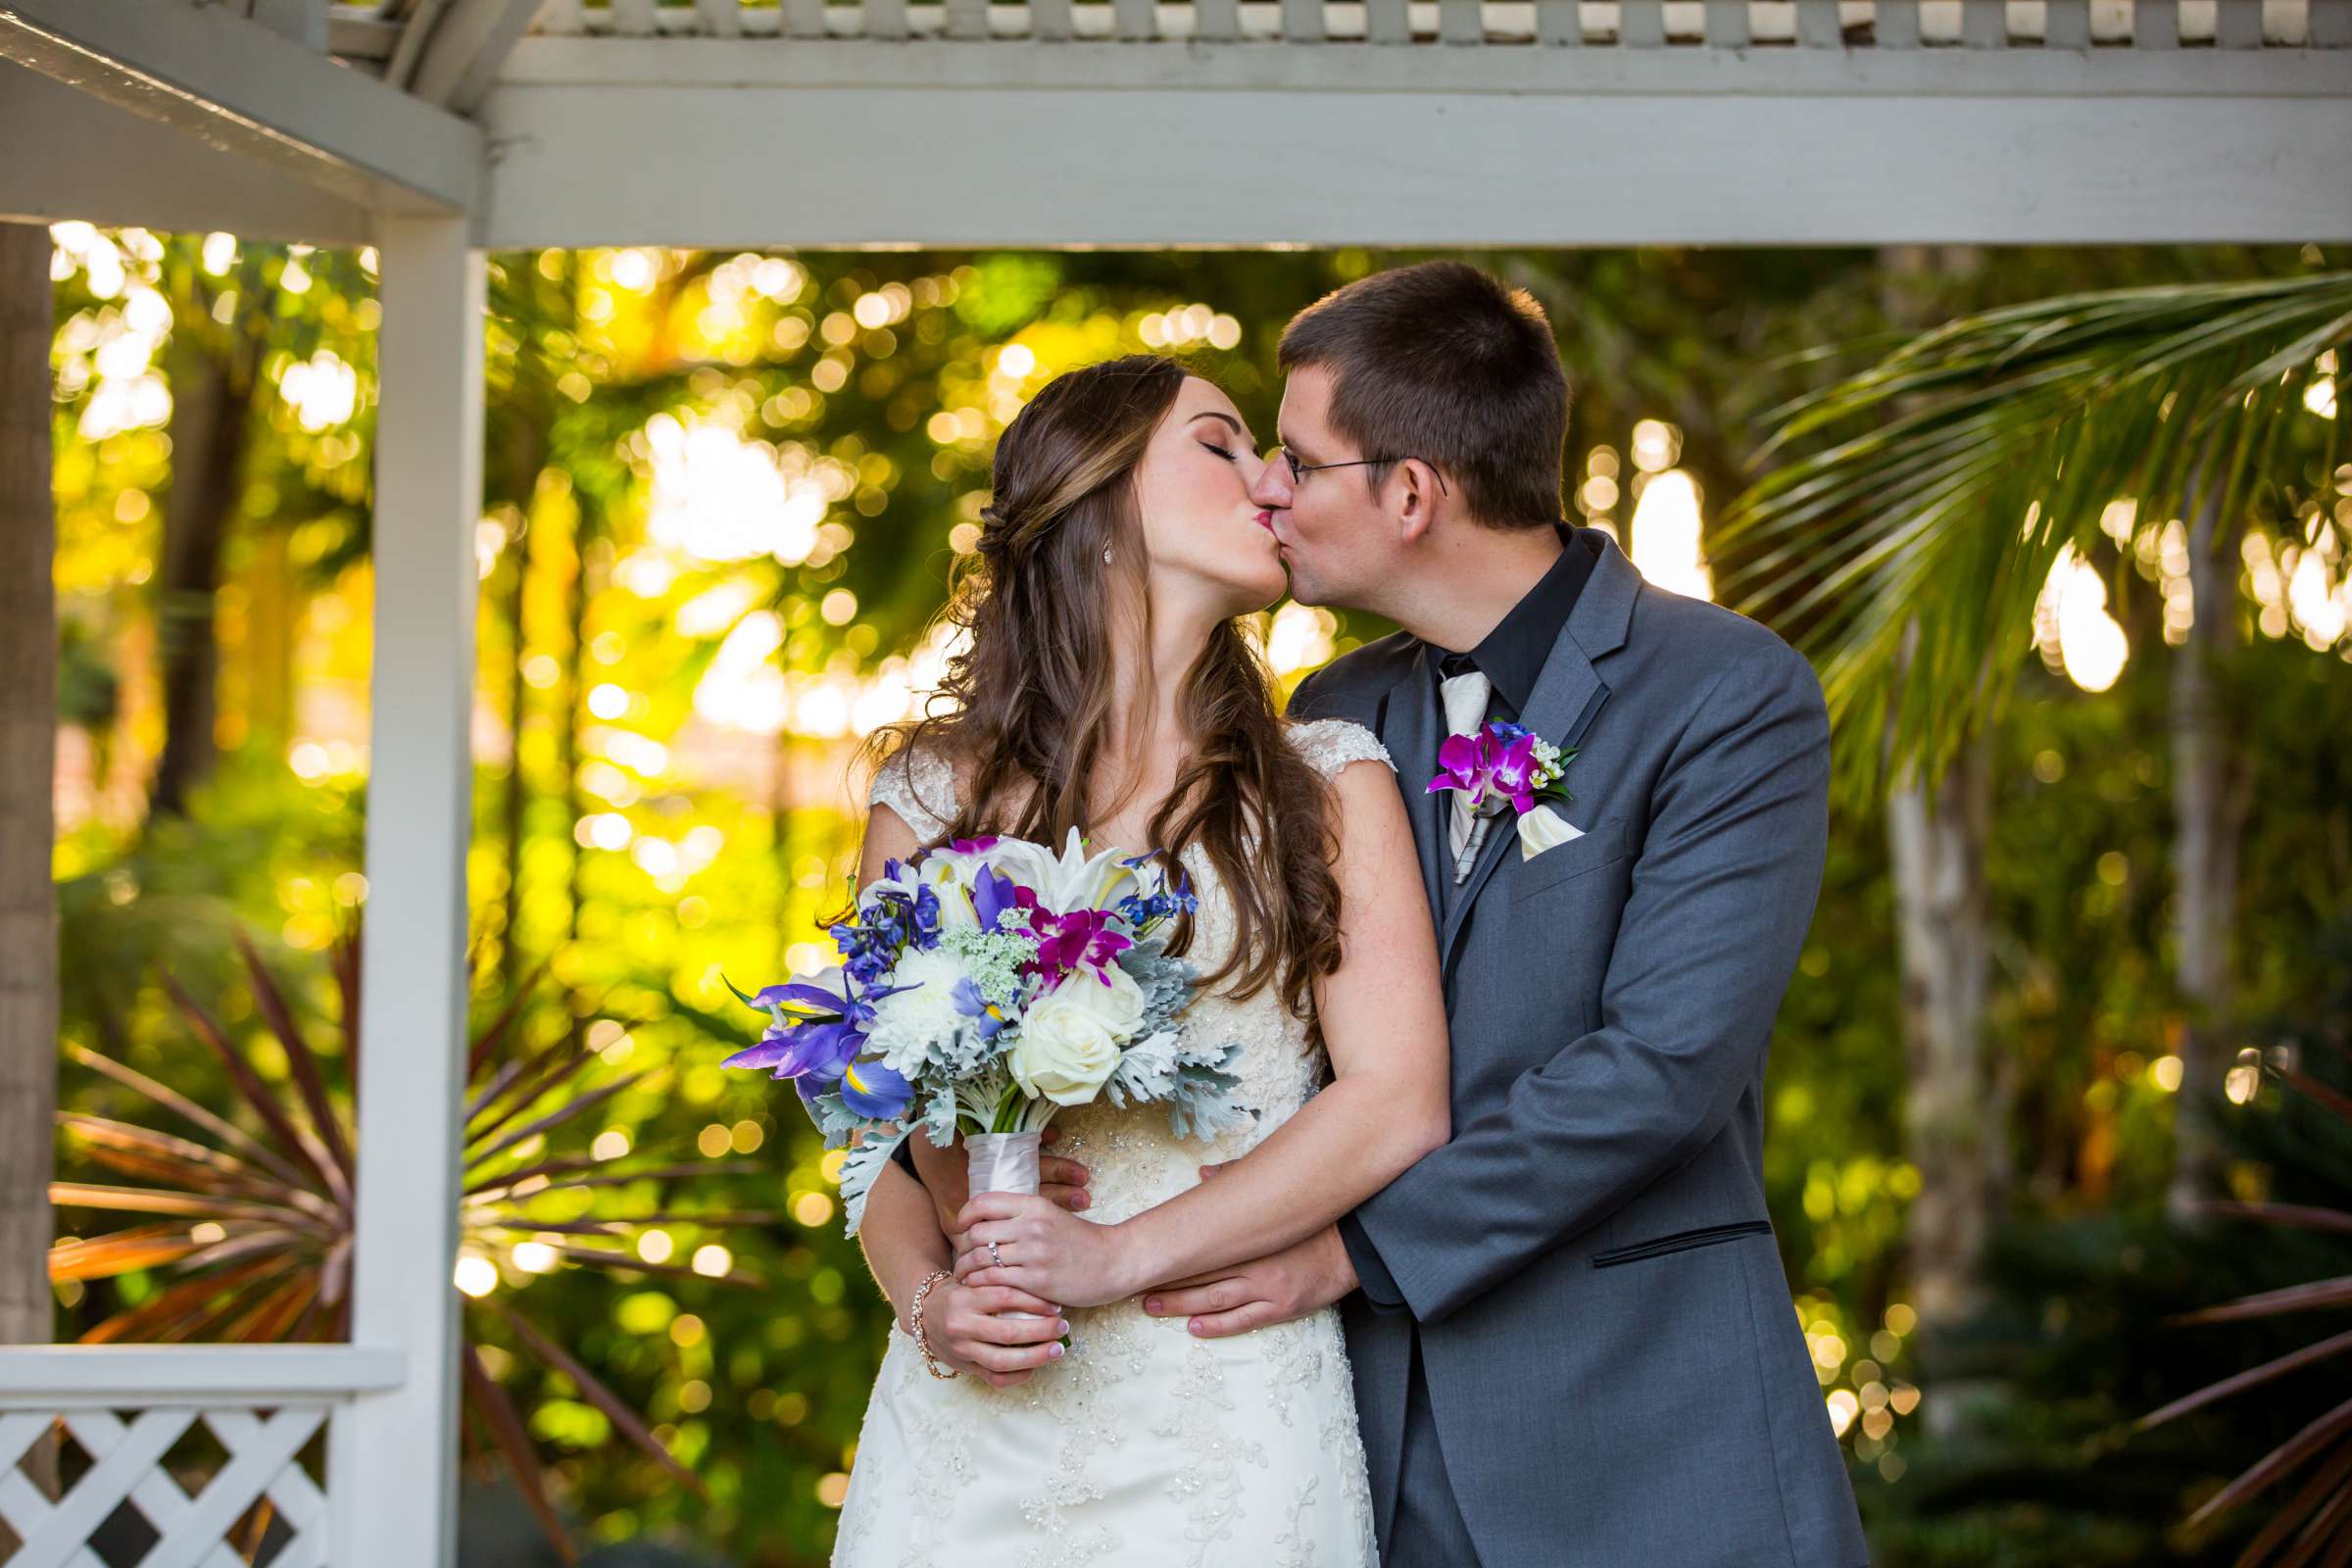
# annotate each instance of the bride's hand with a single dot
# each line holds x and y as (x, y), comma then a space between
(941, 1173)
(967, 1329)
(1044, 1250)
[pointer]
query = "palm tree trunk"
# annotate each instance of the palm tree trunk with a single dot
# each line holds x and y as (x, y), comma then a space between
(588, 519)
(29, 986)
(277, 601)
(1954, 1123)
(1955, 1119)
(2209, 809)
(518, 702)
(210, 397)
(529, 455)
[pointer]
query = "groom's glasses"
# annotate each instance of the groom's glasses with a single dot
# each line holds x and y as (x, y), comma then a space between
(1300, 470)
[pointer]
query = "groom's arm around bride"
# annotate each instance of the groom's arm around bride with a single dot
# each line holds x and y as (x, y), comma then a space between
(1573, 1340)
(1581, 1289)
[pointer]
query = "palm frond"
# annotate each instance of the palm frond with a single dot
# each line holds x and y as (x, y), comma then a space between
(2294, 1361)
(593, 1390)
(1904, 549)
(2305, 1515)
(506, 1431)
(2270, 1303)
(2280, 1461)
(303, 1062)
(2317, 1517)
(2304, 1215)
(257, 1229)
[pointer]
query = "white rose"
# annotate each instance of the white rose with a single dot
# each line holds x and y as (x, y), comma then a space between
(1069, 1040)
(1119, 1003)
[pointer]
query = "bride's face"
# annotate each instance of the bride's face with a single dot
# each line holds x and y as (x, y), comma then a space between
(1206, 540)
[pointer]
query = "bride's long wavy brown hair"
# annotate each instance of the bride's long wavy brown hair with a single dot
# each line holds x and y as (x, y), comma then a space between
(1029, 702)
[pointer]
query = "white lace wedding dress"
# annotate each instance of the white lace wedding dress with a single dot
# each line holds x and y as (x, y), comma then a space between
(1143, 1445)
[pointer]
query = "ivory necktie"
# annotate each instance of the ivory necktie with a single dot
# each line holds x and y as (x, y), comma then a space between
(1465, 698)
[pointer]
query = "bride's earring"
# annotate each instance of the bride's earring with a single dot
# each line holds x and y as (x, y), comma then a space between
(1107, 555)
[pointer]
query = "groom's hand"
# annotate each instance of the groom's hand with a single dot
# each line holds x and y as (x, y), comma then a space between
(1305, 1277)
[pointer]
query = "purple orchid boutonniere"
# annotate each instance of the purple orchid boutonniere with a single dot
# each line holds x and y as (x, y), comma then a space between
(1501, 762)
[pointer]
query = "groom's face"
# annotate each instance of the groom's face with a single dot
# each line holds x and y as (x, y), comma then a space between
(1335, 536)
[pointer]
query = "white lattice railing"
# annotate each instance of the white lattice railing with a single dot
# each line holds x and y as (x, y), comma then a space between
(2059, 25)
(193, 1439)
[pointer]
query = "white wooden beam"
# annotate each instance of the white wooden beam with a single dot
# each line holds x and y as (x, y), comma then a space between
(303, 21)
(105, 165)
(470, 42)
(238, 86)
(1572, 147)
(541, 61)
(58, 1377)
(392, 1464)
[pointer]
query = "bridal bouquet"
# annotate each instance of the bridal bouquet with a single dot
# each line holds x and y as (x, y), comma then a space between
(983, 986)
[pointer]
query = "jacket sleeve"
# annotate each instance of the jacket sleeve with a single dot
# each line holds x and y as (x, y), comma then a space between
(1723, 890)
(1307, 697)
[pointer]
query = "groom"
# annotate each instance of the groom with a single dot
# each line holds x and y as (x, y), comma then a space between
(1571, 1335)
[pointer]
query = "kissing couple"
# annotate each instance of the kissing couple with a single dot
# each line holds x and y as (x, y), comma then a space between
(1498, 915)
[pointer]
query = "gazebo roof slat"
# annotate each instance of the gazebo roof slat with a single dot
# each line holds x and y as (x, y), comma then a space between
(1734, 25)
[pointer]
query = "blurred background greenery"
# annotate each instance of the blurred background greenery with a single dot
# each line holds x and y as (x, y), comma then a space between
(723, 494)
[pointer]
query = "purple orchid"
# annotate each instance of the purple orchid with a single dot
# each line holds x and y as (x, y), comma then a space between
(1067, 942)
(1499, 762)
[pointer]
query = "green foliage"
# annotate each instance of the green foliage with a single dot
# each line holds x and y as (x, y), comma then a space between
(2037, 1459)
(1937, 487)
(643, 848)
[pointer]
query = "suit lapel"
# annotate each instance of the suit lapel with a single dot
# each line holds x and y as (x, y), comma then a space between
(1568, 696)
(1561, 707)
(1408, 728)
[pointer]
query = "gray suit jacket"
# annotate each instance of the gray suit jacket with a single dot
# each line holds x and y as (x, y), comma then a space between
(1614, 1368)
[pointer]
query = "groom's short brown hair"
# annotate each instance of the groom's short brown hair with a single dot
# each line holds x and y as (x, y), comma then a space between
(1443, 362)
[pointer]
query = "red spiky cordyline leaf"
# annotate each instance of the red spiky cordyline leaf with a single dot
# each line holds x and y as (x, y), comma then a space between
(260, 1226)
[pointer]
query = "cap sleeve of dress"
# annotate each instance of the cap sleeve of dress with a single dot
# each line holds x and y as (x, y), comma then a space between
(1331, 744)
(919, 785)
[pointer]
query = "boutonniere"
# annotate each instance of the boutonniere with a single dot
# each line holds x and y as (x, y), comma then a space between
(1502, 763)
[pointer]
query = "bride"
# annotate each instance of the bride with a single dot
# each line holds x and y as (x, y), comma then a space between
(1110, 686)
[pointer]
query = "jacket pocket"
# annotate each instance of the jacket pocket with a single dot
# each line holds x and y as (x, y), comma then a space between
(1604, 846)
(1681, 1241)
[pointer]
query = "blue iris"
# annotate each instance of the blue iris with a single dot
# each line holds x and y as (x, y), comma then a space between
(992, 895)
(874, 1092)
(972, 1005)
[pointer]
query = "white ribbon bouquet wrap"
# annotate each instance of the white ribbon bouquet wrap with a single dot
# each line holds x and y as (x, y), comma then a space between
(1003, 1162)
(984, 985)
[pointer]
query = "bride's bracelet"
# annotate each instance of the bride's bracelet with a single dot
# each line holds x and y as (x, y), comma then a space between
(914, 1313)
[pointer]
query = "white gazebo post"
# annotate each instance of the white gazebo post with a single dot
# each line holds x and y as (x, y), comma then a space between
(196, 115)
(392, 1467)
